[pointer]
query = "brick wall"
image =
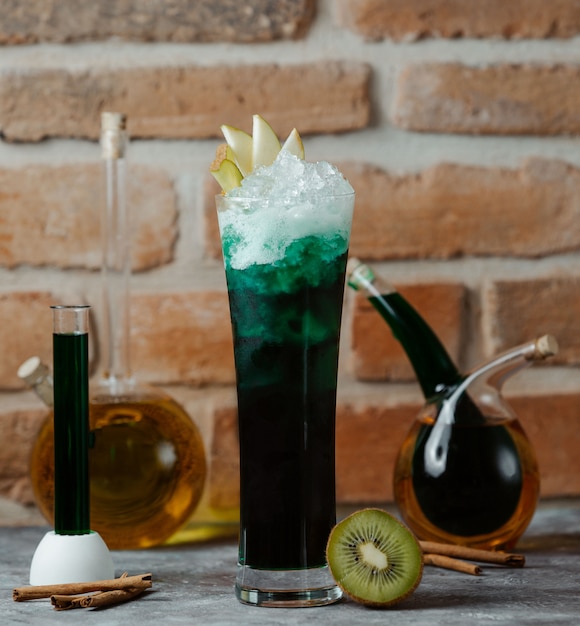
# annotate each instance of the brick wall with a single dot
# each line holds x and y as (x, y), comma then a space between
(455, 122)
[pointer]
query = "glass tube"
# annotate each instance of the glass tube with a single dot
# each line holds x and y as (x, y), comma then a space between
(116, 266)
(71, 420)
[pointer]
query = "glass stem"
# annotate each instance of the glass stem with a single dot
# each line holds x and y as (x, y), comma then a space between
(71, 420)
(116, 264)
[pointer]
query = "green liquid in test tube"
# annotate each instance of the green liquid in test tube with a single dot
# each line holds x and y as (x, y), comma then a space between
(71, 420)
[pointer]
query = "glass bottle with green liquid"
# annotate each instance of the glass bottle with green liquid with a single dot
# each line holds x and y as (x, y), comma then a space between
(466, 472)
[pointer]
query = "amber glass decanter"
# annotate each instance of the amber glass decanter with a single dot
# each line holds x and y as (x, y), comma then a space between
(147, 461)
(466, 473)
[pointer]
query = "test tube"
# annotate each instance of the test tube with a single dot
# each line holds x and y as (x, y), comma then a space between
(72, 552)
(71, 420)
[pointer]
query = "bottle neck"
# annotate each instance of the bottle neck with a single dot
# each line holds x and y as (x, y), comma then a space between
(433, 366)
(116, 260)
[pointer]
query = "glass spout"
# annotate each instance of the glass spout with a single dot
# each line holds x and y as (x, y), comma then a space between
(496, 371)
(483, 385)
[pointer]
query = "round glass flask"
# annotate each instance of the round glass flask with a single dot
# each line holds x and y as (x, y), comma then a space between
(147, 461)
(466, 472)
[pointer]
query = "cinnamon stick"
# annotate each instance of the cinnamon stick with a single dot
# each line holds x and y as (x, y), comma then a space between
(34, 592)
(96, 600)
(447, 562)
(473, 554)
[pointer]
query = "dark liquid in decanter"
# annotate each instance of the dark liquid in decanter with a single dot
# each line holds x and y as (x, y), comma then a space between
(485, 495)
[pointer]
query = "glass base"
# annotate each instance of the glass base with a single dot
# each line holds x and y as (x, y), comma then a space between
(286, 588)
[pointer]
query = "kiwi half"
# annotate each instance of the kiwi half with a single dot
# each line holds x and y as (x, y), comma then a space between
(374, 558)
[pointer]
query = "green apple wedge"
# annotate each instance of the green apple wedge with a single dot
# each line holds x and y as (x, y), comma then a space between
(243, 153)
(224, 170)
(241, 145)
(266, 144)
(294, 144)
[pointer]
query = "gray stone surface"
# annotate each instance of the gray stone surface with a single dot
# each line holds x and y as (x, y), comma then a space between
(193, 585)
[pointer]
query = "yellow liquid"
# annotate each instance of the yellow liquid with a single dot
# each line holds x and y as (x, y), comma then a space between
(505, 534)
(147, 469)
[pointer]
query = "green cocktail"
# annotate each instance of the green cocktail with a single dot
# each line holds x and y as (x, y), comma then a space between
(285, 259)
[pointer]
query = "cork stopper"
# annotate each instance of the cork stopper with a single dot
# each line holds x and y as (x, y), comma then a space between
(113, 135)
(37, 375)
(546, 346)
(32, 370)
(358, 274)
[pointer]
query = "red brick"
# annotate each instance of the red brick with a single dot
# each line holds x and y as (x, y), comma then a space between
(184, 102)
(368, 438)
(452, 210)
(377, 355)
(18, 427)
(523, 99)
(407, 20)
(224, 478)
(51, 216)
(516, 311)
(182, 337)
(212, 241)
(25, 331)
(367, 441)
(182, 21)
(175, 337)
(552, 424)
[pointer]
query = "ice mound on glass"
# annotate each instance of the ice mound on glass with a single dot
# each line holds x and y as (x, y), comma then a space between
(289, 179)
(281, 203)
(275, 197)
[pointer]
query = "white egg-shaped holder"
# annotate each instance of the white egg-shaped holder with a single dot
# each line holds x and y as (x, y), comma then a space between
(61, 559)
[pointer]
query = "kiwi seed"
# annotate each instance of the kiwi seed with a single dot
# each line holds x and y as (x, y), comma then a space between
(374, 558)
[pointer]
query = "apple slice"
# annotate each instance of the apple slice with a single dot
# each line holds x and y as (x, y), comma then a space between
(294, 144)
(228, 175)
(241, 144)
(224, 170)
(266, 144)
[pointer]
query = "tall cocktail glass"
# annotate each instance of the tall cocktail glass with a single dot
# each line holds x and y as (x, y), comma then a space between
(285, 262)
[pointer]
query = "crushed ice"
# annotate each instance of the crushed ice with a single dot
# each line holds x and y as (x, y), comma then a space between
(289, 178)
(281, 203)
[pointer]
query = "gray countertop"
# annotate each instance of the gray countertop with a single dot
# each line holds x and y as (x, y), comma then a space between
(193, 584)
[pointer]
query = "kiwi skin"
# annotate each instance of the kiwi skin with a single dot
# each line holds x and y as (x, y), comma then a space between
(389, 524)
